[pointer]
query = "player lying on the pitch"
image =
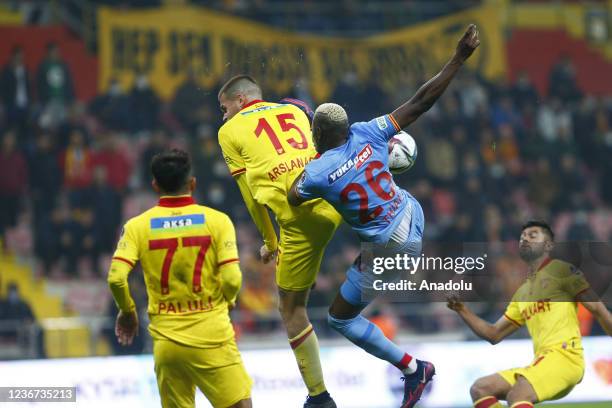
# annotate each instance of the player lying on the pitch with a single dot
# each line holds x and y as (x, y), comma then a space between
(366, 196)
(552, 322)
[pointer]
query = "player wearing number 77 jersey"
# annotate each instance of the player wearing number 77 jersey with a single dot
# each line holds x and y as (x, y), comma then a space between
(189, 258)
(353, 175)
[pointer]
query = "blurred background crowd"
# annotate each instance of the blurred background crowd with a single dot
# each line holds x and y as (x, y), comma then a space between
(492, 154)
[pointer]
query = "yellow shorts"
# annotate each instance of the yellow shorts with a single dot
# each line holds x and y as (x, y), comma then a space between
(217, 372)
(552, 374)
(302, 245)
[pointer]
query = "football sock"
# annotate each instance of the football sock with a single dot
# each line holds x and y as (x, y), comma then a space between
(487, 402)
(369, 337)
(522, 404)
(306, 349)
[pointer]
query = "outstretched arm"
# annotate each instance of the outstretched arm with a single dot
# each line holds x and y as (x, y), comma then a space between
(429, 93)
(589, 299)
(493, 333)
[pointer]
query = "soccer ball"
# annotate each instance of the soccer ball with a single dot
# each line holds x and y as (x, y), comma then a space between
(402, 152)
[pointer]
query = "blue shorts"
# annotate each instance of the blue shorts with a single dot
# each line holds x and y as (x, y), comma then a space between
(356, 281)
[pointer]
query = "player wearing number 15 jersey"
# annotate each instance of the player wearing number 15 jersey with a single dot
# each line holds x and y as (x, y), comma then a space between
(266, 146)
(352, 174)
(189, 258)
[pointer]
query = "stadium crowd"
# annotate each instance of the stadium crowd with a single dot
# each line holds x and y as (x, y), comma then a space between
(491, 155)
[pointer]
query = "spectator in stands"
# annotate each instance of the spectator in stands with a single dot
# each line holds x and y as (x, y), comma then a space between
(523, 92)
(474, 97)
(543, 189)
(144, 105)
(45, 176)
(495, 228)
(504, 113)
(76, 119)
(85, 245)
(602, 143)
(441, 159)
(112, 157)
(105, 204)
(580, 230)
(191, 104)
(562, 82)
(77, 164)
(15, 314)
(13, 181)
(573, 185)
(112, 108)
(54, 87)
(16, 93)
(462, 230)
(472, 198)
(66, 233)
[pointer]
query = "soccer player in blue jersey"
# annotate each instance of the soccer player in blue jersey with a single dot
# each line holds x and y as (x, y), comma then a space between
(352, 174)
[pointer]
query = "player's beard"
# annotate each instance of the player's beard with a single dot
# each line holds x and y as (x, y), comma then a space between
(531, 252)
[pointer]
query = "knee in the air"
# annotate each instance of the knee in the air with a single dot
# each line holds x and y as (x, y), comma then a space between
(480, 389)
(336, 324)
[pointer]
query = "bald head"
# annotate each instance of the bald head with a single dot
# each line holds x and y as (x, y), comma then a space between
(329, 127)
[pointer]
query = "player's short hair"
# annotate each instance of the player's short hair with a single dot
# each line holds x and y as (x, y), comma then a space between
(240, 84)
(171, 170)
(331, 120)
(541, 224)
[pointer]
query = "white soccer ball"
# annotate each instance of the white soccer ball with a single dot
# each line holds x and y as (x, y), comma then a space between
(402, 152)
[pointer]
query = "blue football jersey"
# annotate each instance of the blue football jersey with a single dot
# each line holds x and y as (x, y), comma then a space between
(355, 179)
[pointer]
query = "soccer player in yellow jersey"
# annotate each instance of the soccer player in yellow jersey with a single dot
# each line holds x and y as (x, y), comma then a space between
(546, 304)
(189, 258)
(266, 146)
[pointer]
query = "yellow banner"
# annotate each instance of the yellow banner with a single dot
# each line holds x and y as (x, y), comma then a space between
(166, 43)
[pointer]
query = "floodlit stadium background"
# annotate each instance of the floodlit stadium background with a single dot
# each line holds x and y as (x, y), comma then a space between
(525, 131)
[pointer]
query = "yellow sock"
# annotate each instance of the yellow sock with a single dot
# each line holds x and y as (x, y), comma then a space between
(306, 349)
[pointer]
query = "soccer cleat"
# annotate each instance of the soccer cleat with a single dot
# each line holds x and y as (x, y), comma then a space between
(415, 383)
(316, 402)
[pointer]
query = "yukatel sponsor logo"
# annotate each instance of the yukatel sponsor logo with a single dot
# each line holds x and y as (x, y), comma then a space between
(356, 161)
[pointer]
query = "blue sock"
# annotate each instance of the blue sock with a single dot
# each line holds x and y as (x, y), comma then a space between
(369, 337)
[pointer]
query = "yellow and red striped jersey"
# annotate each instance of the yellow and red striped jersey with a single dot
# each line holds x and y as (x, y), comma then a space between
(271, 143)
(546, 304)
(181, 246)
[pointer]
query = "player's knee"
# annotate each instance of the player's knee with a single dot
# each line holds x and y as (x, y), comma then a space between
(481, 388)
(285, 307)
(286, 311)
(337, 324)
(292, 314)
